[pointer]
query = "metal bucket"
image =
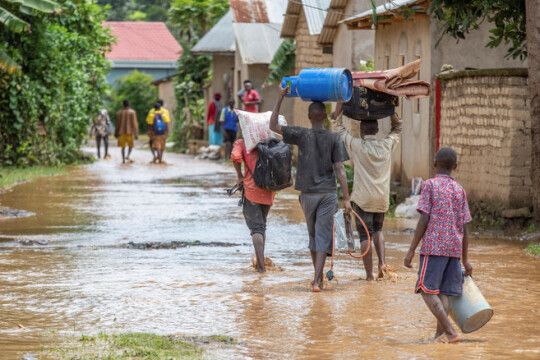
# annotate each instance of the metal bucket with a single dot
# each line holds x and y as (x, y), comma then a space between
(321, 84)
(470, 311)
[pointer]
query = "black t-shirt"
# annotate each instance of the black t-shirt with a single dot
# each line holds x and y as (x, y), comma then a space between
(318, 150)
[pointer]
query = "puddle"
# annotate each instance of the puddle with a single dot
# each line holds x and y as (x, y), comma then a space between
(85, 280)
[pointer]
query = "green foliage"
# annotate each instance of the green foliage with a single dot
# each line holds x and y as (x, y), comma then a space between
(13, 16)
(533, 249)
(531, 229)
(194, 18)
(282, 63)
(458, 18)
(138, 89)
(46, 107)
(349, 170)
(368, 66)
(136, 10)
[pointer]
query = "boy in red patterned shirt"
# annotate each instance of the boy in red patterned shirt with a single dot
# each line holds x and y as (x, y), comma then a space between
(445, 239)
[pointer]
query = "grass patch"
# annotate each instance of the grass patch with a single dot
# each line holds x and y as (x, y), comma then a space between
(131, 346)
(135, 346)
(10, 176)
(533, 249)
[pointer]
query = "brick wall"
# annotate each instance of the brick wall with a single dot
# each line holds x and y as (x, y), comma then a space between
(308, 54)
(485, 118)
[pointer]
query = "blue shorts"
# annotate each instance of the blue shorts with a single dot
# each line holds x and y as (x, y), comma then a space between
(440, 275)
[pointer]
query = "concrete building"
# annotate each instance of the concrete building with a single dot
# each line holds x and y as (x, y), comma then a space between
(242, 44)
(399, 41)
(148, 47)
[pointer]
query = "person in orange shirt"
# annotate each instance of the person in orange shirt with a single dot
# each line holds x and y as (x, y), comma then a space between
(256, 201)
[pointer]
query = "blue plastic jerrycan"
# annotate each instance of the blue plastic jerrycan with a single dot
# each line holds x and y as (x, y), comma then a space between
(321, 84)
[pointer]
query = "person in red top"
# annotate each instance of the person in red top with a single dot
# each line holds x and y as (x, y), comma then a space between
(215, 136)
(445, 241)
(256, 202)
(251, 98)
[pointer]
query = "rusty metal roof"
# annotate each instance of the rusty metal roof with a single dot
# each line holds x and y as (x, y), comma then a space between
(220, 40)
(258, 11)
(364, 19)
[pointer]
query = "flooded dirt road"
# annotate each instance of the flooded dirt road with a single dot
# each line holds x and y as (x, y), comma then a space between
(84, 281)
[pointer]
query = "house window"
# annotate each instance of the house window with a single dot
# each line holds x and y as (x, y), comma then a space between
(399, 110)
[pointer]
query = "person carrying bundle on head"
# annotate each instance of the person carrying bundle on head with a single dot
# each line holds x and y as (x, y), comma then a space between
(370, 197)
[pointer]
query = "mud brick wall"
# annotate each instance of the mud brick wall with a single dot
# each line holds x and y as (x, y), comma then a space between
(485, 118)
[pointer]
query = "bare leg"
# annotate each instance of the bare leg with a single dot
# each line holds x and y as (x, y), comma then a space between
(129, 152)
(320, 259)
(313, 258)
(368, 261)
(160, 155)
(98, 144)
(435, 305)
(106, 145)
(378, 239)
(258, 243)
(446, 306)
(124, 155)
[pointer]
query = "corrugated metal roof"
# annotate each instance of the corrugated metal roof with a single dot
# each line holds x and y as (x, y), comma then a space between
(258, 11)
(257, 43)
(288, 30)
(364, 19)
(315, 11)
(219, 40)
(329, 29)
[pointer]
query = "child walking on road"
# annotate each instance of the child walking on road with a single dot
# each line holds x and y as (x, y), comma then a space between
(256, 202)
(445, 239)
(372, 160)
(321, 154)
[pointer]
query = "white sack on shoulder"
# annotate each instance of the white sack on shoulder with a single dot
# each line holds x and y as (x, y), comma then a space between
(255, 127)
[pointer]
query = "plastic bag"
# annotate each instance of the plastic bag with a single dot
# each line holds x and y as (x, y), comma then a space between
(255, 127)
(343, 234)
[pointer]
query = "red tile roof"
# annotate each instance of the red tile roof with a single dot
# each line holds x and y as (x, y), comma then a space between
(150, 41)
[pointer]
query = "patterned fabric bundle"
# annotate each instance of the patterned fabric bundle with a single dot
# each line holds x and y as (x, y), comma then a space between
(395, 81)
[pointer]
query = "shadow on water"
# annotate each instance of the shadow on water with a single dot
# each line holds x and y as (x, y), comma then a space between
(87, 279)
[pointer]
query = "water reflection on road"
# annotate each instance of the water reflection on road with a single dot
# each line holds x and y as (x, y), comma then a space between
(84, 281)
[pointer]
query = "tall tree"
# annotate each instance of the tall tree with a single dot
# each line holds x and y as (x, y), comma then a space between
(515, 22)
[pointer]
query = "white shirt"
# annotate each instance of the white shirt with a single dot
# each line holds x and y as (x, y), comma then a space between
(372, 164)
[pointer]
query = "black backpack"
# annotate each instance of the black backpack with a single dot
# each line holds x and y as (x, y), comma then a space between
(273, 168)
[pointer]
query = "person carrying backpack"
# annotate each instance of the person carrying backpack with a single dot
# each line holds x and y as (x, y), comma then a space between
(256, 201)
(158, 130)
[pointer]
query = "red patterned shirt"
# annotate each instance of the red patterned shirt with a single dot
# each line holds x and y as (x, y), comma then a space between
(445, 201)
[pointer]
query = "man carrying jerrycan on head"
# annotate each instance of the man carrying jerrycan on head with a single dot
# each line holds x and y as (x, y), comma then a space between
(321, 154)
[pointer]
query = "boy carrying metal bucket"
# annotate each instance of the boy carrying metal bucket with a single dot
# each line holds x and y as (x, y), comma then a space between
(445, 239)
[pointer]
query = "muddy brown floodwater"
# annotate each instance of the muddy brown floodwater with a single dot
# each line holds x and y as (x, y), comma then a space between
(84, 281)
